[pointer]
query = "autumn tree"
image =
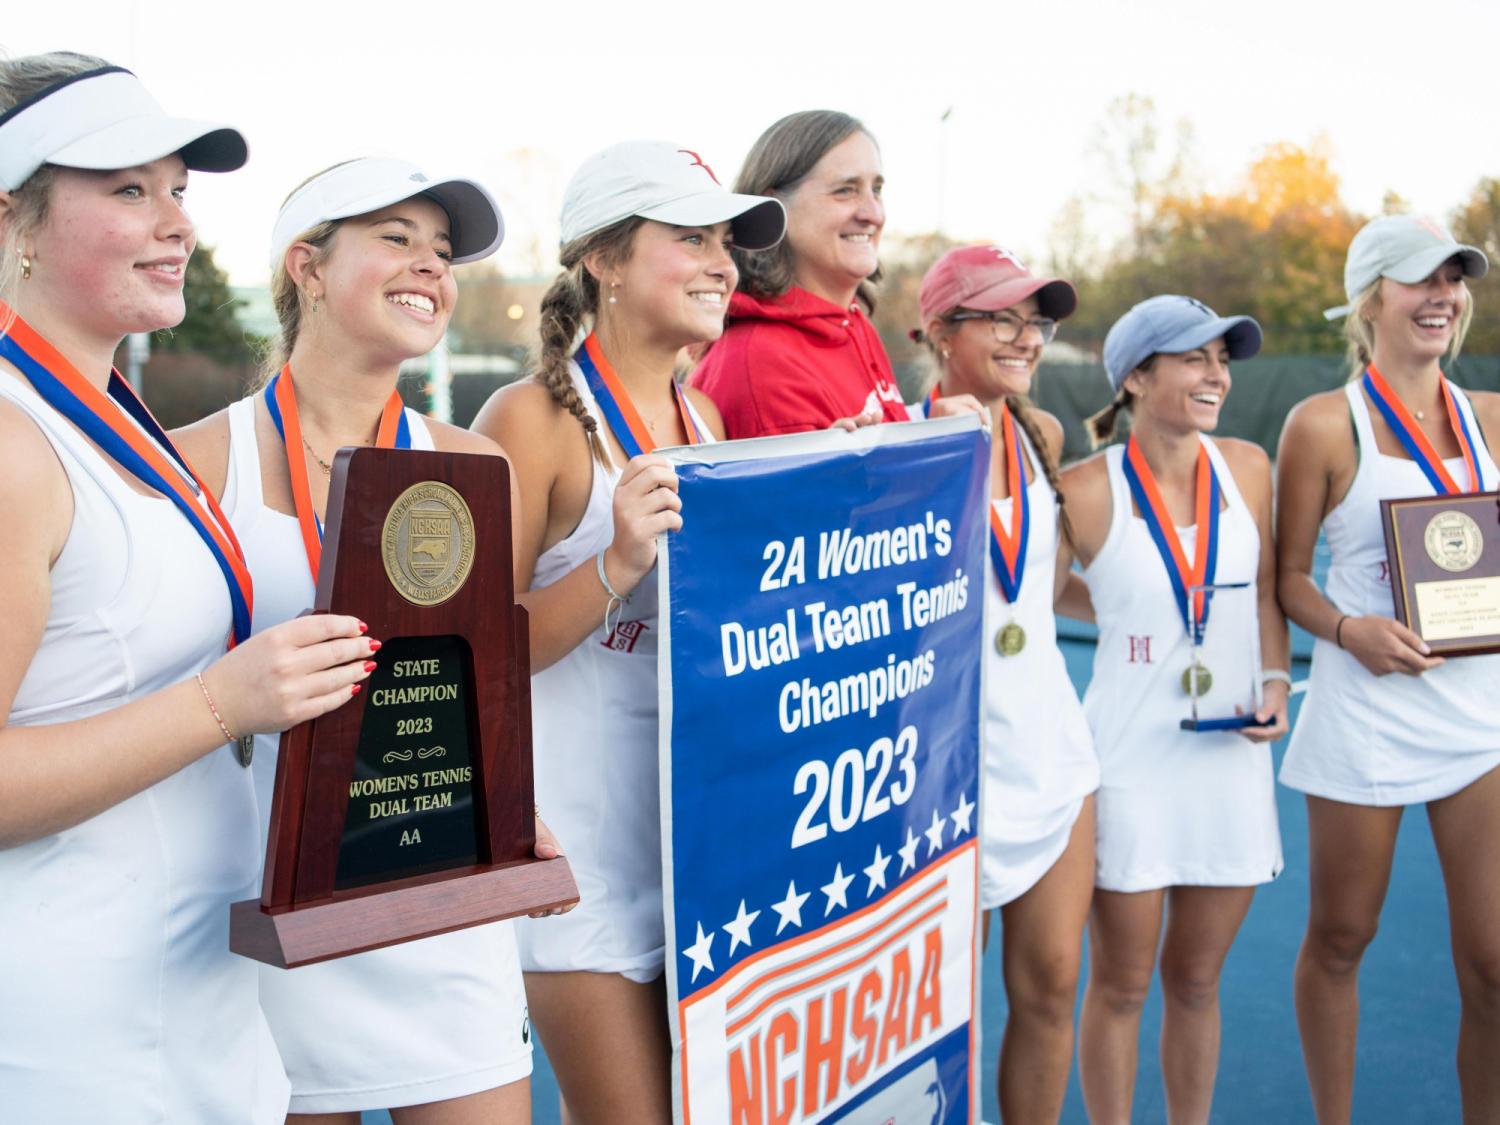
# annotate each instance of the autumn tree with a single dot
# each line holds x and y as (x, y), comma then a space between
(1477, 223)
(1273, 247)
(904, 260)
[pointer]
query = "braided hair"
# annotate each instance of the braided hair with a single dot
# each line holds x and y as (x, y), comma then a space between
(567, 311)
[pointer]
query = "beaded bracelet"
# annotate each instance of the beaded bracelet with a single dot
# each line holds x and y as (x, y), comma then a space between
(1276, 675)
(223, 727)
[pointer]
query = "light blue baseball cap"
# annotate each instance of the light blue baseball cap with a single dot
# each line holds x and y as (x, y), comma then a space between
(1173, 324)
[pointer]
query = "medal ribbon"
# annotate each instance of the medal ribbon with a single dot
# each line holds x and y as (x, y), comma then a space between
(281, 403)
(1415, 442)
(1164, 533)
(614, 400)
(98, 416)
(1008, 548)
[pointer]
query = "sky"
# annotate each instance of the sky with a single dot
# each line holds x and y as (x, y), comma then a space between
(517, 94)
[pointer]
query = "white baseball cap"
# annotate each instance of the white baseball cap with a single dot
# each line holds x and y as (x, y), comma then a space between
(1404, 248)
(358, 187)
(666, 182)
(103, 120)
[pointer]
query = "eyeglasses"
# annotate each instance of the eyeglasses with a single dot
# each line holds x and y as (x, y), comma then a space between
(1007, 326)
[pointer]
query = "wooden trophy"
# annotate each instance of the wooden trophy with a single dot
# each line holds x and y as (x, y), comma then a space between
(1444, 559)
(408, 811)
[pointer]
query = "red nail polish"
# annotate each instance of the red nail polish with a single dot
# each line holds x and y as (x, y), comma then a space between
(374, 645)
(369, 665)
(363, 628)
(354, 689)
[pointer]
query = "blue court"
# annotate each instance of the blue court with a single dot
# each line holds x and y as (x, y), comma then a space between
(1409, 1001)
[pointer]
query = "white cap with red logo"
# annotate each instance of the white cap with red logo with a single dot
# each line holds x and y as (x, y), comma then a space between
(663, 181)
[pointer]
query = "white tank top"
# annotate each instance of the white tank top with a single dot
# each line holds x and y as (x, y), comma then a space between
(121, 999)
(1038, 753)
(419, 1021)
(1175, 807)
(594, 719)
(1393, 739)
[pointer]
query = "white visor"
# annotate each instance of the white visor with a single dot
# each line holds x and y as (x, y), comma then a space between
(105, 120)
(360, 186)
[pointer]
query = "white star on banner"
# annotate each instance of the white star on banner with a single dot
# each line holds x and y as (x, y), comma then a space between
(908, 851)
(961, 816)
(790, 908)
(739, 929)
(876, 871)
(698, 952)
(934, 834)
(838, 890)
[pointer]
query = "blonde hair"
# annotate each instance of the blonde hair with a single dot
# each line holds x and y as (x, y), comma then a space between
(21, 79)
(286, 296)
(1359, 327)
(567, 311)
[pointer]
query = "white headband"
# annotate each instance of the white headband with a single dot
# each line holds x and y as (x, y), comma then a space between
(104, 120)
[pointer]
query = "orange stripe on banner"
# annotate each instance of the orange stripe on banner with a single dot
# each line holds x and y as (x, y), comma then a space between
(915, 902)
(838, 970)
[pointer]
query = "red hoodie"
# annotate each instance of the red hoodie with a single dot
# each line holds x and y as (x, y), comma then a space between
(796, 362)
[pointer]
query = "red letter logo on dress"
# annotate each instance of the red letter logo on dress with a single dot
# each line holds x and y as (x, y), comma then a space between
(1140, 650)
(623, 636)
(698, 163)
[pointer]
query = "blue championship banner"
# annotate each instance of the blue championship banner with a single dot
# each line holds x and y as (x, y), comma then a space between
(820, 689)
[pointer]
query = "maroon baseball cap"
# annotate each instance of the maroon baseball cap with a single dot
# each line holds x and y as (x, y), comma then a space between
(988, 279)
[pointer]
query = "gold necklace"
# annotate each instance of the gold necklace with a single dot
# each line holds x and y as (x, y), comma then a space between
(322, 464)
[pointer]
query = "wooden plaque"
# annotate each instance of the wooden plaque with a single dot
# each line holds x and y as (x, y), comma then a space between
(408, 811)
(1444, 555)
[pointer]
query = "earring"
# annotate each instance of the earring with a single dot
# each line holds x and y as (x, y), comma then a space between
(946, 353)
(25, 266)
(613, 285)
(316, 302)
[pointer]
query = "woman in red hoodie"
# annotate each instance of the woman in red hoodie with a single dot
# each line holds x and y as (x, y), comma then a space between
(798, 350)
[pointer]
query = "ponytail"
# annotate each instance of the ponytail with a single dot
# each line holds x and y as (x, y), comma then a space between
(1101, 426)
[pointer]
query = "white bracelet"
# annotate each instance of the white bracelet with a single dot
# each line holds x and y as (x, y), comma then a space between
(614, 594)
(615, 600)
(1280, 675)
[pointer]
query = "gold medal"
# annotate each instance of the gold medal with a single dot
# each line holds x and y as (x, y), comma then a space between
(1197, 680)
(1010, 639)
(244, 749)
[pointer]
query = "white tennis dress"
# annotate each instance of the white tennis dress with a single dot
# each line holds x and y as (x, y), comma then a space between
(1039, 761)
(1395, 739)
(594, 723)
(1174, 807)
(419, 1022)
(119, 999)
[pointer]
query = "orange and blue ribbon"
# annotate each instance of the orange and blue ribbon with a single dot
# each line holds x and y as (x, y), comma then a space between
(618, 409)
(1415, 442)
(144, 452)
(281, 404)
(1158, 519)
(1008, 548)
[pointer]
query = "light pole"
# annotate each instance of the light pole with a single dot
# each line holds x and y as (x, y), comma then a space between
(942, 165)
